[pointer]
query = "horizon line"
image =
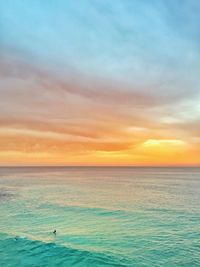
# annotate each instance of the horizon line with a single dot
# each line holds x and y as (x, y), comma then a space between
(99, 166)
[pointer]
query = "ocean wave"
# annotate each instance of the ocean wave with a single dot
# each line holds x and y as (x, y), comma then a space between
(18, 251)
(85, 209)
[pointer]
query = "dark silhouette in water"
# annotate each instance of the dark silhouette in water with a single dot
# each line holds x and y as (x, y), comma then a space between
(54, 232)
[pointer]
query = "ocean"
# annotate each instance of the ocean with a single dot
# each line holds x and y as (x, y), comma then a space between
(103, 216)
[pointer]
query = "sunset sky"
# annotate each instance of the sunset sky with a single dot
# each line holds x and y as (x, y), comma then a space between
(96, 82)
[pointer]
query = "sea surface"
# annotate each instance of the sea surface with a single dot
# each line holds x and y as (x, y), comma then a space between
(103, 217)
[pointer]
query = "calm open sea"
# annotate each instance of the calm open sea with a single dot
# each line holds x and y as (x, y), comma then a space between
(103, 217)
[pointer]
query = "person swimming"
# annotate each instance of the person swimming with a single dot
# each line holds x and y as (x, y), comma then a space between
(54, 232)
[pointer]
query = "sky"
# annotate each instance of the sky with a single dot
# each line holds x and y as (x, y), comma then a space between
(98, 82)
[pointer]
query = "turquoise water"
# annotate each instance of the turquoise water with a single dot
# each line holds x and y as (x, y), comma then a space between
(103, 217)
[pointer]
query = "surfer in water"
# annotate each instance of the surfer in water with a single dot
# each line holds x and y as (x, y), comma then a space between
(54, 232)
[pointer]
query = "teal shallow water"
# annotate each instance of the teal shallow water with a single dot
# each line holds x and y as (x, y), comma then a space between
(103, 216)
